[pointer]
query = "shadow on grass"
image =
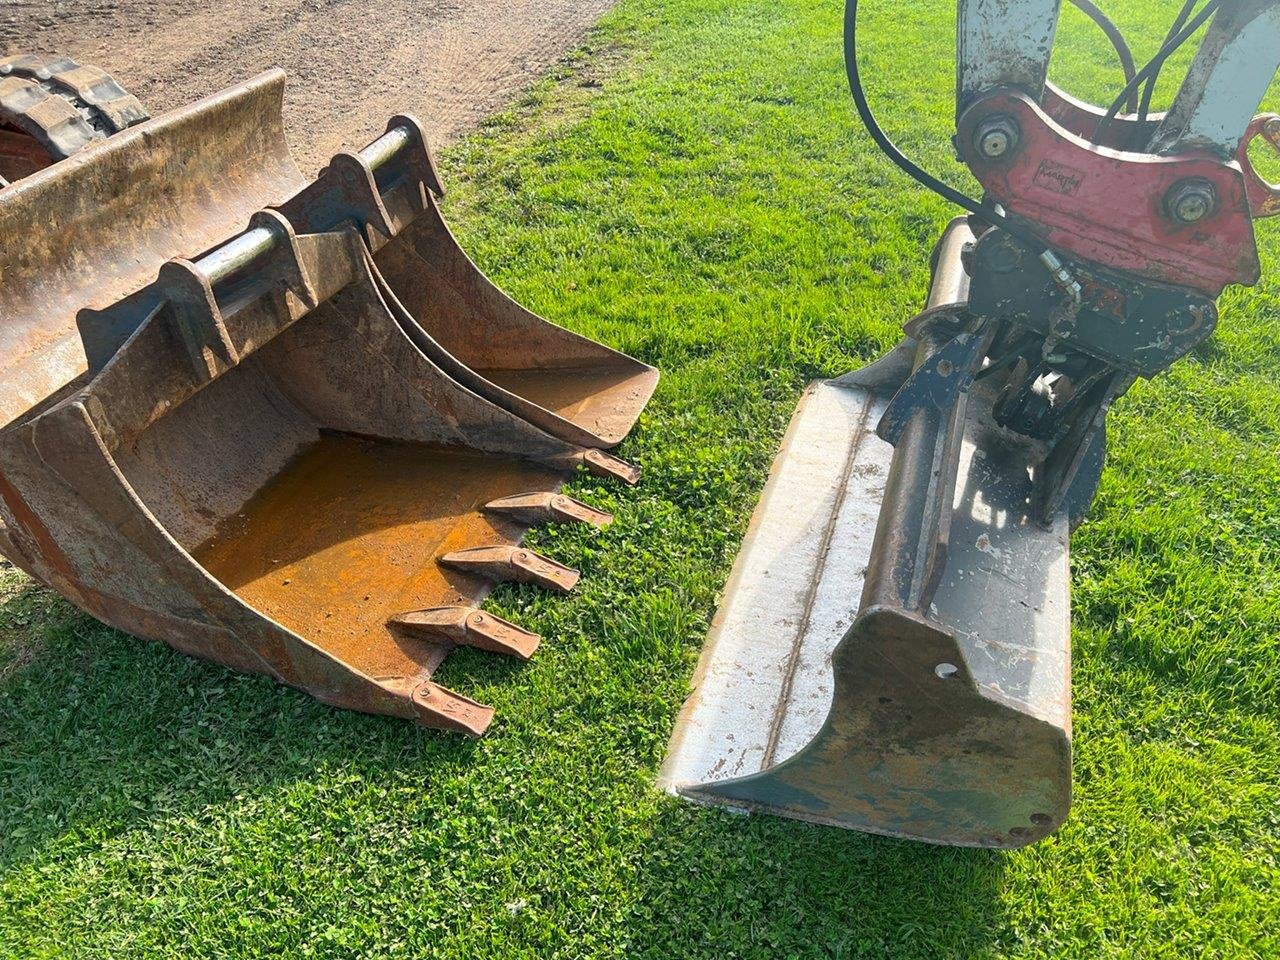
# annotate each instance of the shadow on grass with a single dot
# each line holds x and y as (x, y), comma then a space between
(715, 884)
(106, 731)
(103, 734)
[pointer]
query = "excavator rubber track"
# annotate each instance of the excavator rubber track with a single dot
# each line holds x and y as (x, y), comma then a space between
(53, 107)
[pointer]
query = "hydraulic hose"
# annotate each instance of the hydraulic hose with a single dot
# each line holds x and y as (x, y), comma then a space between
(901, 160)
(1155, 63)
(1144, 108)
(1090, 9)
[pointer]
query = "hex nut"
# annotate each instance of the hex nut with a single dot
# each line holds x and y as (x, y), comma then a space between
(1190, 200)
(996, 136)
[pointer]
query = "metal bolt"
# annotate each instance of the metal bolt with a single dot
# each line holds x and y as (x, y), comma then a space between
(1190, 200)
(996, 136)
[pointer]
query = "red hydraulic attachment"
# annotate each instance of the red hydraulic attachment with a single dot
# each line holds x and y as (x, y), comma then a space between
(1264, 196)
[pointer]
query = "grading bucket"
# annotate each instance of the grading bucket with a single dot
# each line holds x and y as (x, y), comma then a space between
(892, 653)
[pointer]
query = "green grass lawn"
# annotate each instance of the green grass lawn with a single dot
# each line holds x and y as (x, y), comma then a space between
(694, 188)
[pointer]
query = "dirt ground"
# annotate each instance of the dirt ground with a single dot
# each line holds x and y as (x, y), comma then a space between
(351, 63)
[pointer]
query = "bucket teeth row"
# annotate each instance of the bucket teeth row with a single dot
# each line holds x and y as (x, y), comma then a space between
(443, 709)
(470, 627)
(500, 563)
(535, 508)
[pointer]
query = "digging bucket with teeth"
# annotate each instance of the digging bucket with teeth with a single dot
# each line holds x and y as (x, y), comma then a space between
(892, 653)
(247, 454)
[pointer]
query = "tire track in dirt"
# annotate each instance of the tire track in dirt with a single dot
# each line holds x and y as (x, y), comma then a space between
(351, 63)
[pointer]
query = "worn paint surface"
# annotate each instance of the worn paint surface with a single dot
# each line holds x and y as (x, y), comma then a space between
(582, 396)
(1107, 206)
(1264, 196)
(952, 726)
(1226, 82)
(566, 384)
(1003, 43)
(172, 186)
(893, 651)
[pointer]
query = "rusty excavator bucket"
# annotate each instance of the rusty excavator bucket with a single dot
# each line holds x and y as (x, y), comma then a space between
(223, 430)
(892, 653)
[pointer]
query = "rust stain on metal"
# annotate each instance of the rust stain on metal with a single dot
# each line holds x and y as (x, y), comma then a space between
(347, 536)
(509, 563)
(568, 385)
(535, 508)
(468, 626)
(173, 186)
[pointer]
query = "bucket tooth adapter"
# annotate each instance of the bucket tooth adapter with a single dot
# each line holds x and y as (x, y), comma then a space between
(220, 434)
(893, 650)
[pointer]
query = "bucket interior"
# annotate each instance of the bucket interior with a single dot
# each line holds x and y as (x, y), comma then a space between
(317, 483)
(596, 389)
(577, 394)
(347, 535)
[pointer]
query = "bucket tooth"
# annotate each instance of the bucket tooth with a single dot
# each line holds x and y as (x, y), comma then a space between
(513, 563)
(442, 709)
(535, 508)
(469, 627)
(602, 464)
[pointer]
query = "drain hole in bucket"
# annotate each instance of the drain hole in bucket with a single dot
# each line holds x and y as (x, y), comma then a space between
(945, 670)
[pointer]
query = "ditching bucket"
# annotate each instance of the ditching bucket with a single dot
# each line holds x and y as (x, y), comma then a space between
(96, 227)
(941, 711)
(249, 457)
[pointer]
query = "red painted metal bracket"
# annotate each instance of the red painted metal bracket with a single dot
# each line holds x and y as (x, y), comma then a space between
(1264, 196)
(1111, 206)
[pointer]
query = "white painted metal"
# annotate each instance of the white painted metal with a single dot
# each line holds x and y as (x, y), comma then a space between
(1003, 43)
(764, 684)
(1226, 82)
